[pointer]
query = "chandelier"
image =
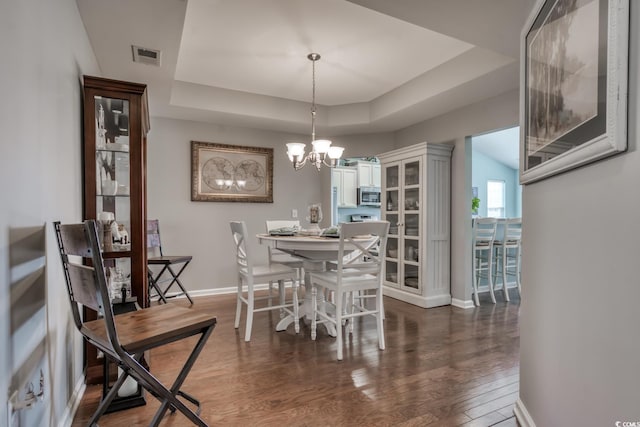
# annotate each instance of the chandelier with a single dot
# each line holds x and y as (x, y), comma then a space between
(322, 151)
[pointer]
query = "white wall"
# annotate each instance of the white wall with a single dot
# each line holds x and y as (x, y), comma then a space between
(45, 51)
(579, 326)
(456, 127)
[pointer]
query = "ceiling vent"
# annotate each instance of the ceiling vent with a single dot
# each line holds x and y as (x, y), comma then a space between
(146, 56)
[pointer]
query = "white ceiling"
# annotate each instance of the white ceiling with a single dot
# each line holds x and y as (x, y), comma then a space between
(385, 65)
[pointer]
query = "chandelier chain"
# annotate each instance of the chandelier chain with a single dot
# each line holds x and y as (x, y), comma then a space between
(313, 99)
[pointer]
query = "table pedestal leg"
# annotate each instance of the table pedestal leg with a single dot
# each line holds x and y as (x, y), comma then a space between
(306, 308)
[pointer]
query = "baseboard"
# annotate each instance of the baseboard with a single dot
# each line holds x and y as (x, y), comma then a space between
(72, 406)
(522, 415)
(219, 291)
(465, 304)
(419, 300)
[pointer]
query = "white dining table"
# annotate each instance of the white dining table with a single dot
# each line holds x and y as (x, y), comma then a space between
(314, 251)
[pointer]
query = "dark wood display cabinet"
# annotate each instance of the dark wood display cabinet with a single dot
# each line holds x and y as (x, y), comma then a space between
(116, 123)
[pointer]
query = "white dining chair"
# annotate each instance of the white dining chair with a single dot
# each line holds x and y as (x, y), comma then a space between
(484, 232)
(276, 256)
(251, 274)
(507, 254)
(356, 256)
(349, 278)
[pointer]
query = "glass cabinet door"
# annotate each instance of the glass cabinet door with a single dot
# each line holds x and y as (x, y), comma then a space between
(113, 201)
(411, 221)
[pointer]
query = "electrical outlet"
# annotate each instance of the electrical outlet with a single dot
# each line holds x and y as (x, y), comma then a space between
(294, 213)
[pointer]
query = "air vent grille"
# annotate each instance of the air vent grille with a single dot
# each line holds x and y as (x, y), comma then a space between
(146, 56)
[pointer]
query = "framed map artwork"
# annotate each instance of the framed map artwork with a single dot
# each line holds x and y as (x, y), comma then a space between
(231, 173)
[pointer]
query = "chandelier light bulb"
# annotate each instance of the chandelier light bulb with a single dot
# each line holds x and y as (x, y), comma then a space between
(321, 146)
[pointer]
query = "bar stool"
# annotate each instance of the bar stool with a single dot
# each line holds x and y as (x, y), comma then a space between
(484, 232)
(507, 254)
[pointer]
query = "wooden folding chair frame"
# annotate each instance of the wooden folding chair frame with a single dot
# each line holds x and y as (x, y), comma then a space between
(87, 285)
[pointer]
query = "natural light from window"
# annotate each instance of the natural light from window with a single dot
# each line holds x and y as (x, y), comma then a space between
(495, 199)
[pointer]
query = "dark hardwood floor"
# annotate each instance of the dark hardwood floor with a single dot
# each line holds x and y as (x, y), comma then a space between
(442, 367)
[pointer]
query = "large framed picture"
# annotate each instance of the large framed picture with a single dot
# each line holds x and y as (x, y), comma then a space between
(231, 173)
(573, 85)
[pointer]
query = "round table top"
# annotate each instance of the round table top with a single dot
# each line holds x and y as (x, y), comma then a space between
(309, 247)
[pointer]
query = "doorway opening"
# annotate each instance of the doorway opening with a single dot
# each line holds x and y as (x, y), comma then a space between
(495, 179)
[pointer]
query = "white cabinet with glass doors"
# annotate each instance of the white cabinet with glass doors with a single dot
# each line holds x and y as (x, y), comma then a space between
(416, 186)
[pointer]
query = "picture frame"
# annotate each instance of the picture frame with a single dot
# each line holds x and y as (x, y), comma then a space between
(231, 173)
(573, 85)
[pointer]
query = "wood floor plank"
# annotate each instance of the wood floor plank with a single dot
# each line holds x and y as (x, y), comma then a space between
(489, 419)
(443, 366)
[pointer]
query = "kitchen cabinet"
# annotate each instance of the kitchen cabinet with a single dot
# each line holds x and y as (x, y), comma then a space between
(345, 180)
(116, 123)
(369, 174)
(416, 194)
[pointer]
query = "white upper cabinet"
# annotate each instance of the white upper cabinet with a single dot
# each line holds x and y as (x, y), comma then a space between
(369, 174)
(346, 181)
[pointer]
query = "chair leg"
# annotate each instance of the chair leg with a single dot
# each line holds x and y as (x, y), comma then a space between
(475, 278)
(518, 254)
(175, 388)
(296, 308)
(104, 404)
(339, 308)
(250, 307)
(351, 307)
(489, 275)
(505, 263)
(238, 304)
(379, 319)
(281, 296)
(177, 281)
(314, 304)
(269, 299)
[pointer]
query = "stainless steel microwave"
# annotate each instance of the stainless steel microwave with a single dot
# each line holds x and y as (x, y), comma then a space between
(369, 196)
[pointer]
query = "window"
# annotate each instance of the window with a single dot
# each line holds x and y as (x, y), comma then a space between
(496, 199)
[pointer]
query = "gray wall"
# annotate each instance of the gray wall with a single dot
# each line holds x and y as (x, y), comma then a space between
(202, 228)
(45, 51)
(579, 323)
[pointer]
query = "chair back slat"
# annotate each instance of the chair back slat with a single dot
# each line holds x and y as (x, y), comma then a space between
(276, 255)
(239, 232)
(484, 231)
(512, 230)
(84, 284)
(153, 236)
(74, 240)
(373, 249)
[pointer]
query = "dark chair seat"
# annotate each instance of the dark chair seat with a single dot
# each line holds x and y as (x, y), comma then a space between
(149, 328)
(163, 260)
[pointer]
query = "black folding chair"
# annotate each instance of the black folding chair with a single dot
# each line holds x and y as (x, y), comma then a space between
(126, 337)
(166, 262)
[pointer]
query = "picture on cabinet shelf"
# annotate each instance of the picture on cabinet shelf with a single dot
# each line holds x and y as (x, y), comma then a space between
(231, 173)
